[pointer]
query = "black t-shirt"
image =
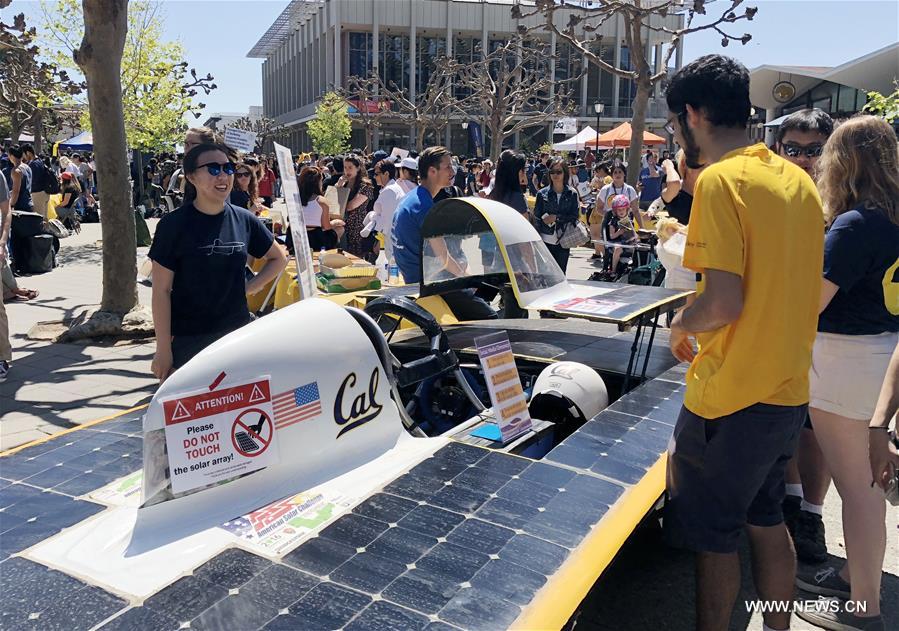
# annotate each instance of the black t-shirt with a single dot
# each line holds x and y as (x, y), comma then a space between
(680, 206)
(861, 257)
(240, 198)
(208, 254)
(38, 175)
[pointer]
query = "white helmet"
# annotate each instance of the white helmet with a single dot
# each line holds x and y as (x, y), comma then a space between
(568, 390)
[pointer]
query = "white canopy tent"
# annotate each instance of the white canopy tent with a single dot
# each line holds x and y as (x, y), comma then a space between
(576, 142)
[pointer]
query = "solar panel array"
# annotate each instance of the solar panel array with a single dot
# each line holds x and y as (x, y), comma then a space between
(464, 539)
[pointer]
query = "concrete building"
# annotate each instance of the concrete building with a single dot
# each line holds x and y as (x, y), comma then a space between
(315, 44)
(840, 91)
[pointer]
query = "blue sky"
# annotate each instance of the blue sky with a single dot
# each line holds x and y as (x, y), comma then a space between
(217, 35)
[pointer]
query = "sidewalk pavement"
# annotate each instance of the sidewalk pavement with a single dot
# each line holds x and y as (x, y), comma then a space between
(52, 387)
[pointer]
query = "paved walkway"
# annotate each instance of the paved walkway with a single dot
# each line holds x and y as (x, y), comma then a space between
(55, 386)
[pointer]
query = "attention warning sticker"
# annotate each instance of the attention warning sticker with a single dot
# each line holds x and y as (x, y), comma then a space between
(216, 436)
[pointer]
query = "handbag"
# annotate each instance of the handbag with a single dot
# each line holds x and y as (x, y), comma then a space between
(574, 234)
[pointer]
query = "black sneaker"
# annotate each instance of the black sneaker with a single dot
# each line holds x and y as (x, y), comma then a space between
(809, 538)
(825, 581)
(831, 615)
(790, 509)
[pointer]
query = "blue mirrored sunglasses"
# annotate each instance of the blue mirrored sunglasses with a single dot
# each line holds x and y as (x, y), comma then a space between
(215, 168)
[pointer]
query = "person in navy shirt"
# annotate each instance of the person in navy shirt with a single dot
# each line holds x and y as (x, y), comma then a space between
(199, 256)
(858, 330)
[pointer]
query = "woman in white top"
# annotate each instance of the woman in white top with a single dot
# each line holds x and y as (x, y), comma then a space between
(316, 213)
(388, 199)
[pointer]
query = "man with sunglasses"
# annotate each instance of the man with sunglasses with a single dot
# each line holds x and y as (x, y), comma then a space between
(757, 245)
(800, 140)
(801, 137)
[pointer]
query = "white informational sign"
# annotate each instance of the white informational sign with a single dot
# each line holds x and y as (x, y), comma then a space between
(399, 153)
(510, 407)
(240, 139)
(565, 126)
(214, 436)
(301, 250)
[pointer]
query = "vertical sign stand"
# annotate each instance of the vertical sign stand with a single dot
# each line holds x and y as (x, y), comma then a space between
(302, 253)
(510, 407)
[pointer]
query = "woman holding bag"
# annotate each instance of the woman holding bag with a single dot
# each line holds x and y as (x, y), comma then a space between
(557, 208)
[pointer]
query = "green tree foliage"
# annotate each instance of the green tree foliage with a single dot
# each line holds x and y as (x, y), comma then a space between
(158, 88)
(885, 106)
(330, 129)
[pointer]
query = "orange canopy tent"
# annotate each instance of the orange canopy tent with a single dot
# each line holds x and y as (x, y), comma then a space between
(621, 137)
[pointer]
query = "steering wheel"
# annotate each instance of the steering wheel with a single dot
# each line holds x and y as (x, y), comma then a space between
(441, 358)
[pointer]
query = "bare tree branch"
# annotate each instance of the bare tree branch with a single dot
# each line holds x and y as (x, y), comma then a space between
(584, 21)
(511, 89)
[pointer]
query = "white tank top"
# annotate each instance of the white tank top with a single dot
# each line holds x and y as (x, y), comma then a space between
(312, 214)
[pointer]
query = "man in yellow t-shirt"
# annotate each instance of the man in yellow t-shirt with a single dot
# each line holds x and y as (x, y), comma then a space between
(756, 243)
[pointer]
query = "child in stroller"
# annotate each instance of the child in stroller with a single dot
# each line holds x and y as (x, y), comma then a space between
(618, 227)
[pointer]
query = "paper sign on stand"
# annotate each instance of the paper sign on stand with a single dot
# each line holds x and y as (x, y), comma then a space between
(240, 139)
(302, 252)
(399, 153)
(510, 407)
(215, 436)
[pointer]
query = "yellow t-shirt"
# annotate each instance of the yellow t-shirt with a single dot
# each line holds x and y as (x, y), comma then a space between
(756, 215)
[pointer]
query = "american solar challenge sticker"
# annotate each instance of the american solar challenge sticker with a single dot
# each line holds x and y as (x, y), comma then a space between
(219, 435)
(506, 394)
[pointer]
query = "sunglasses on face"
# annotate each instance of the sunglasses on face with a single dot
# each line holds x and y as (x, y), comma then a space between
(243, 174)
(215, 168)
(810, 151)
(555, 172)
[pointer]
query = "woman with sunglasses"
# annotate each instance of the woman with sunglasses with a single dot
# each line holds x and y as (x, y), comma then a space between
(557, 206)
(245, 190)
(199, 256)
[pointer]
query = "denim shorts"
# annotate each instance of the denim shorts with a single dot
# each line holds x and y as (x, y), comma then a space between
(728, 472)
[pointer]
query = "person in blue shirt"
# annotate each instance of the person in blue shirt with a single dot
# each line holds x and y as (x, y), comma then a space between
(435, 170)
(199, 256)
(650, 181)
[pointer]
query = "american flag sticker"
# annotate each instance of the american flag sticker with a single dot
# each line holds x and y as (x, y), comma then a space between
(299, 404)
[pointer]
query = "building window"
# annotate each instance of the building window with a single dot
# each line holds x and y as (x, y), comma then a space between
(465, 51)
(429, 49)
(601, 84)
(360, 57)
(395, 61)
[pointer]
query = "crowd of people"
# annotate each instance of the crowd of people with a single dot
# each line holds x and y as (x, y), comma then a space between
(791, 336)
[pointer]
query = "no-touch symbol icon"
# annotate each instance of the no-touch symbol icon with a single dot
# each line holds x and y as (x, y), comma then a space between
(180, 412)
(252, 432)
(256, 395)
